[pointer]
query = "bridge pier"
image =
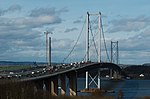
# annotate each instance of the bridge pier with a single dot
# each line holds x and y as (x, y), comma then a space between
(39, 85)
(47, 83)
(111, 73)
(87, 80)
(116, 75)
(93, 80)
(54, 86)
(99, 79)
(73, 83)
(63, 84)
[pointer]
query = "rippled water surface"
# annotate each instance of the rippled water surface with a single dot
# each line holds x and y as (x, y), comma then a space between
(131, 88)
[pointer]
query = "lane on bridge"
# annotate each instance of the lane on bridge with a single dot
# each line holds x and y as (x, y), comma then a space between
(79, 68)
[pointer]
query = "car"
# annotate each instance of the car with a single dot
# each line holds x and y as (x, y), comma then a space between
(32, 73)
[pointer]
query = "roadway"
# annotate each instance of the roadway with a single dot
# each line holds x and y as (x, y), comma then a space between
(47, 72)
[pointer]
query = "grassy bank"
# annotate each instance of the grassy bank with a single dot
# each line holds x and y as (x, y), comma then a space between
(12, 68)
(26, 90)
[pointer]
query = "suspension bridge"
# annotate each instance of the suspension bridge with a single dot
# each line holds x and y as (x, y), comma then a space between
(56, 77)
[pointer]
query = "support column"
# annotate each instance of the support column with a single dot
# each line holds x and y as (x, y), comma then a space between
(54, 86)
(63, 84)
(49, 56)
(87, 37)
(87, 80)
(48, 85)
(73, 83)
(99, 43)
(115, 75)
(39, 85)
(111, 73)
(99, 79)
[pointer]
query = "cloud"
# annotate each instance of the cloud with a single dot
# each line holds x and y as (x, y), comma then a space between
(135, 49)
(77, 21)
(129, 24)
(22, 46)
(136, 43)
(21, 38)
(37, 18)
(62, 44)
(11, 9)
(14, 8)
(70, 30)
(42, 12)
(47, 12)
(64, 9)
(27, 22)
(22, 25)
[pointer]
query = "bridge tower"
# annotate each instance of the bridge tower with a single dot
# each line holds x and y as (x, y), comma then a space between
(48, 47)
(88, 36)
(114, 58)
(114, 52)
(93, 79)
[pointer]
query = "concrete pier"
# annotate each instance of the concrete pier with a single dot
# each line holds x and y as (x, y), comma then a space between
(73, 83)
(63, 84)
(54, 86)
(39, 85)
(47, 83)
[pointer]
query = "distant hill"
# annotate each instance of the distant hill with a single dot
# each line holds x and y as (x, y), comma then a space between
(11, 63)
(146, 64)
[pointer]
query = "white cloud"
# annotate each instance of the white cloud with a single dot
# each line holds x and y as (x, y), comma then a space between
(27, 22)
(11, 9)
(47, 12)
(62, 44)
(19, 38)
(129, 24)
(135, 49)
(70, 30)
(136, 43)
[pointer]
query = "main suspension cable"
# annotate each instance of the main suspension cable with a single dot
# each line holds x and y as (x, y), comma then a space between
(75, 43)
(104, 41)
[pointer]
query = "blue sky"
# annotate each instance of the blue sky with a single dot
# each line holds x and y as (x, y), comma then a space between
(23, 22)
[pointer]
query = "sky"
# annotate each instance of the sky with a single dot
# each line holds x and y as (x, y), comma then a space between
(23, 23)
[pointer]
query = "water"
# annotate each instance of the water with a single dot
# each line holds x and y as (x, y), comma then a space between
(131, 88)
(134, 88)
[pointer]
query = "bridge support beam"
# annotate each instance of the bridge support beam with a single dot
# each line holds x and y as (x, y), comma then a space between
(87, 38)
(73, 83)
(97, 83)
(116, 75)
(39, 85)
(87, 80)
(48, 85)
(63, 84)
(111, 73)
(54, 86)
(99, 79)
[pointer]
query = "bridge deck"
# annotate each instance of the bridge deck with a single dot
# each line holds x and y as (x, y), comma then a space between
(78, 68)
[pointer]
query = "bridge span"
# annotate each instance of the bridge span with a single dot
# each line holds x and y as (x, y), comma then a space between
(52, 80)
(57, 79)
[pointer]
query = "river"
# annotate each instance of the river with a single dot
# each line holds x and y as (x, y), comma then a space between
(131, 88)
